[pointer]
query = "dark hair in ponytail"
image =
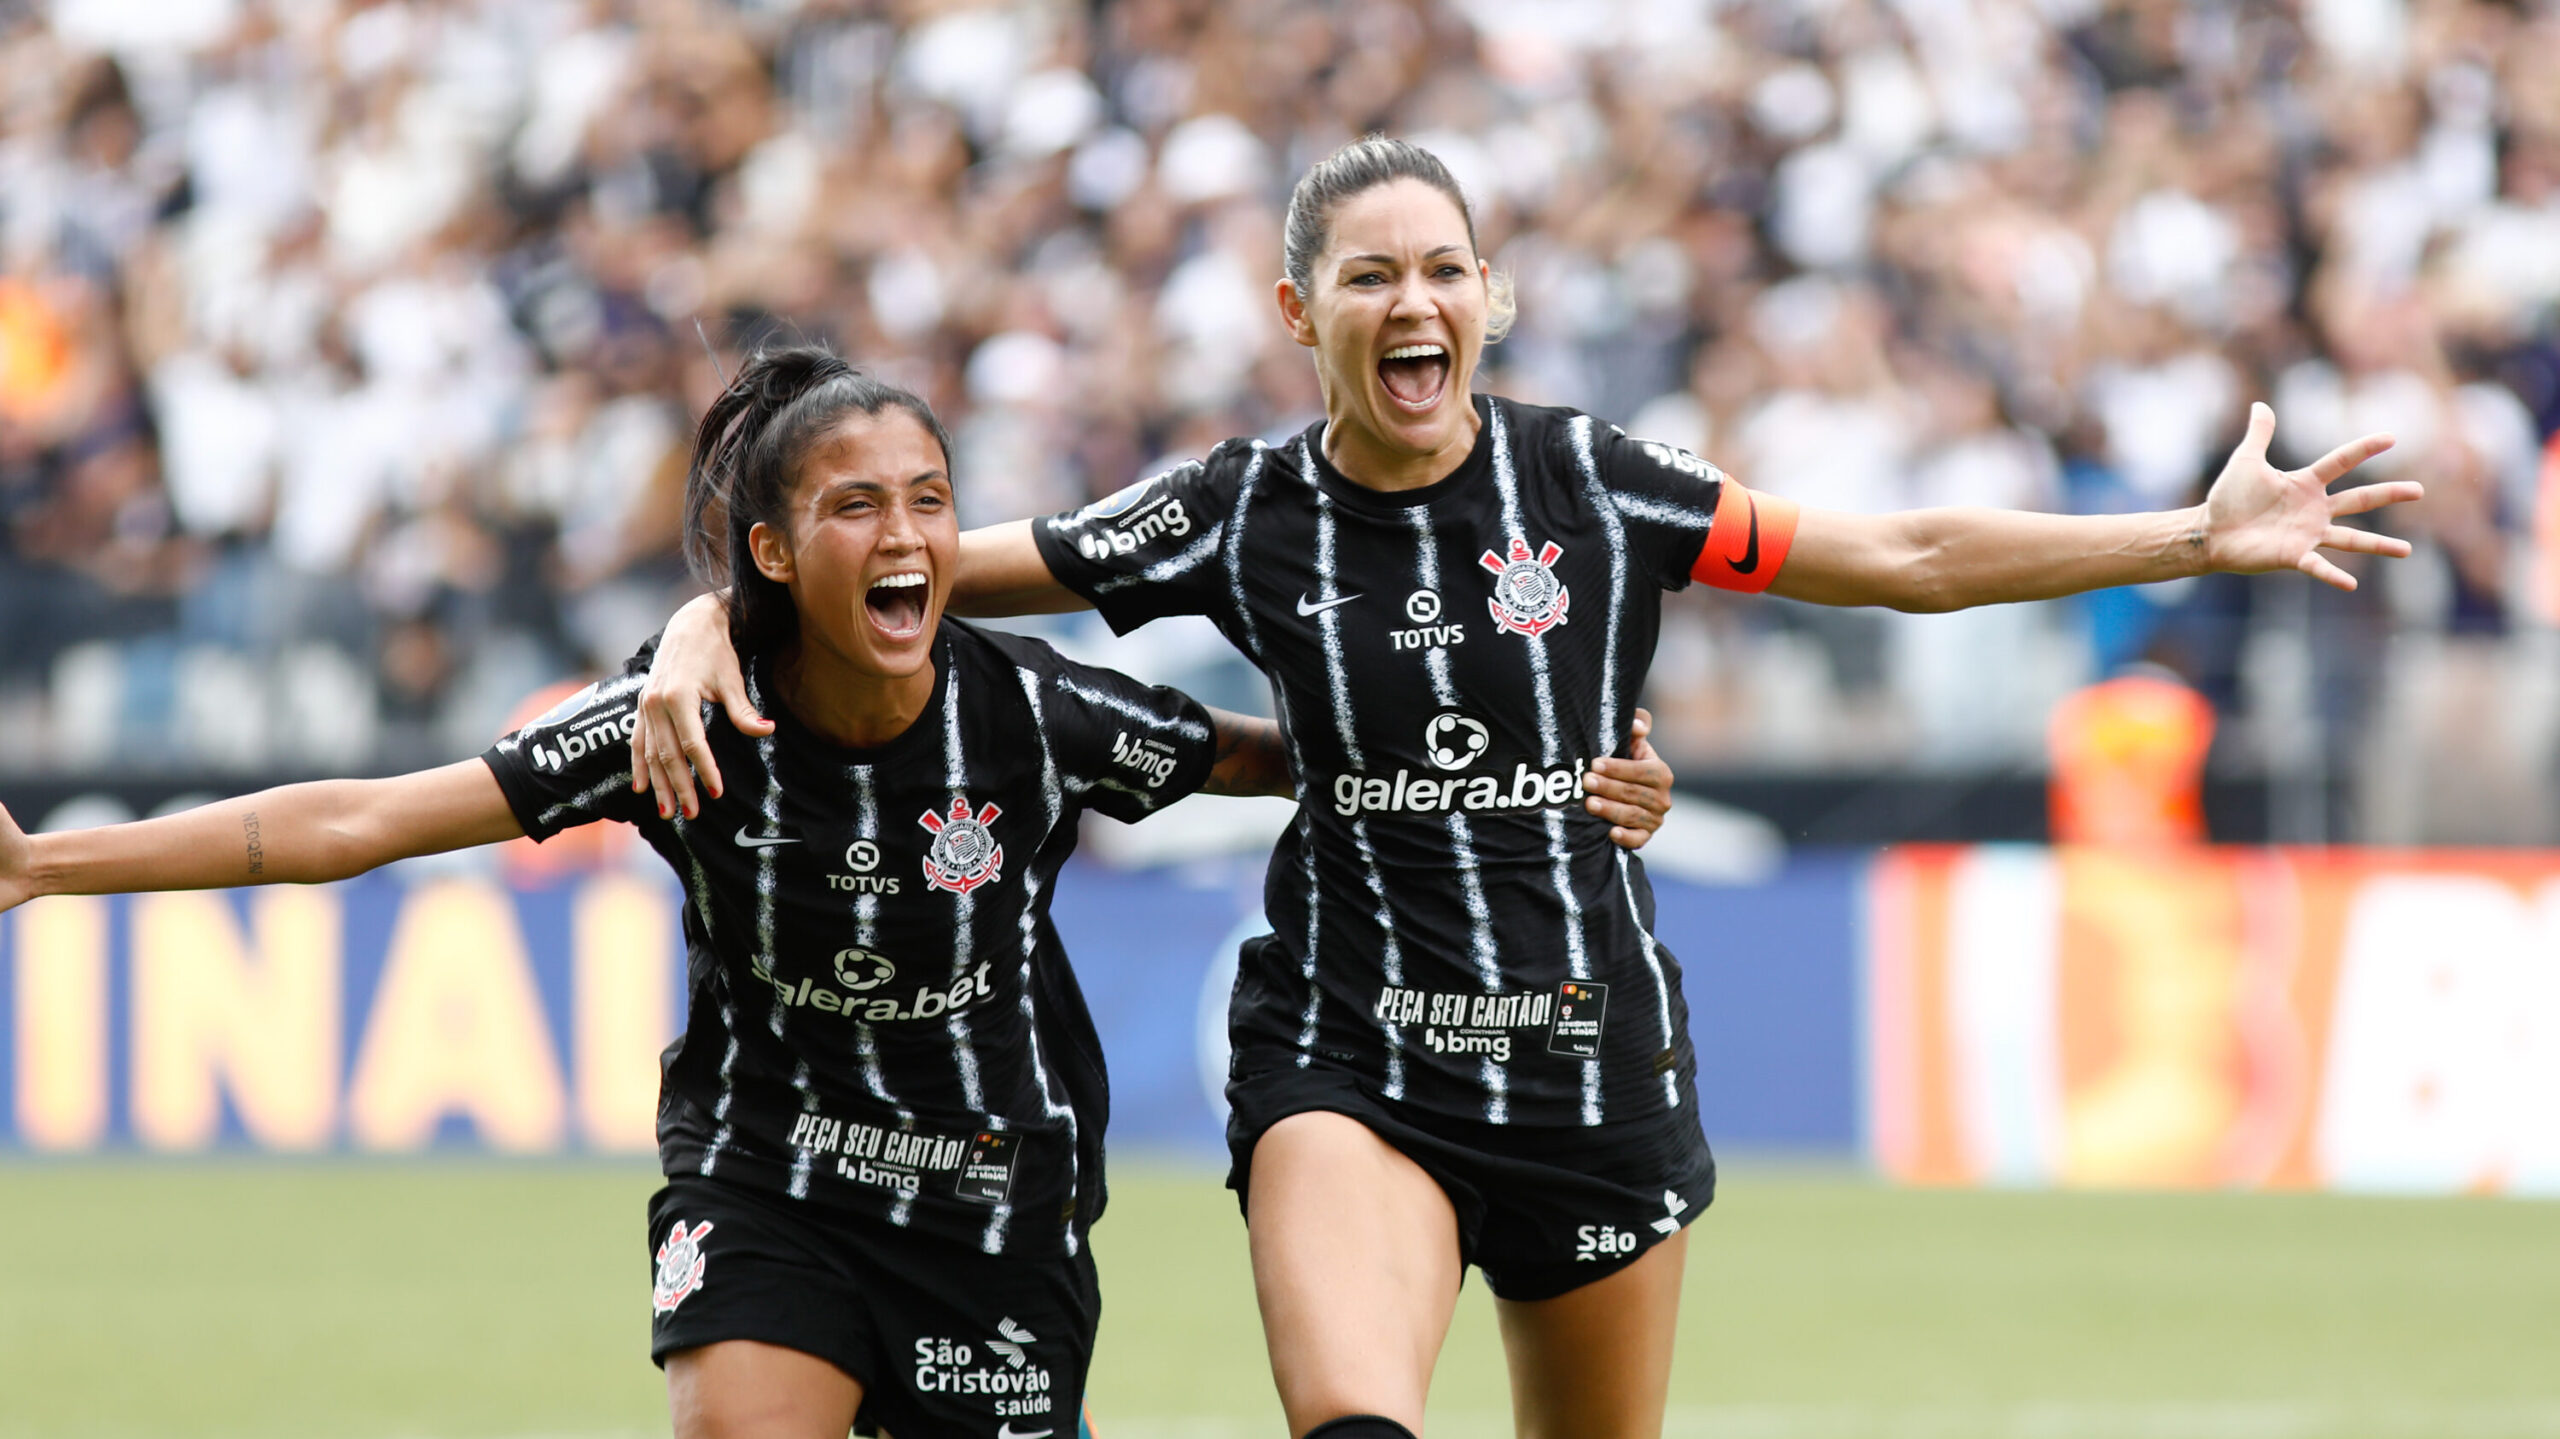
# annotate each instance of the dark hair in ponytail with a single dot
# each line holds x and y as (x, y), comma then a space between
(746, 458)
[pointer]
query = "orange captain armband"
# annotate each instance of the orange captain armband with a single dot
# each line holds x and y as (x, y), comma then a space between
(1746, 541)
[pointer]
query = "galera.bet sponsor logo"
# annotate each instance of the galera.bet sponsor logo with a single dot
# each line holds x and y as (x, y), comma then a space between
(853, 1001)
(1454, 741)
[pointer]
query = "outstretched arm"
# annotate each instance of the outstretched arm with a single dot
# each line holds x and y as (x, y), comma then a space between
(1632, 794)
(295, 834)
(2255, 519)
(1000, 573)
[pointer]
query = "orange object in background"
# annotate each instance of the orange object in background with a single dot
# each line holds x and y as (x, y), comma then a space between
(2546, 537)
(2128, 763)
(35, 351)
(571, 851)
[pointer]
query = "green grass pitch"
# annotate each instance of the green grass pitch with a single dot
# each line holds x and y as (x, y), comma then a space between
(419, 1301)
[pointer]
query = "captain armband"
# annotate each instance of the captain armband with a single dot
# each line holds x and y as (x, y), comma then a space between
(1747, 541)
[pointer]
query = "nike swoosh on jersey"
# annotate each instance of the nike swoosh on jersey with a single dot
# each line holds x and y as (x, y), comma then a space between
(1007, 1431)
(761, 841)
(1751, 549)
(1305, 609)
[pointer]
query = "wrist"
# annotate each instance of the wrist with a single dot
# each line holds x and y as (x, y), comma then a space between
(2187, 546)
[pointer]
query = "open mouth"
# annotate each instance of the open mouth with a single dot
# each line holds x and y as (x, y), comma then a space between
(896, 604)
(1415, 375)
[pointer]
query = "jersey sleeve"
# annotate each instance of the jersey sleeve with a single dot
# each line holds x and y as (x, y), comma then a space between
(1124, 748)
(1687, 520)
(1152, 549)
(572, 766)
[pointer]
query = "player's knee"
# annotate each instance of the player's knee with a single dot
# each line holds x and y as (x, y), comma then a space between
(1360, 1426)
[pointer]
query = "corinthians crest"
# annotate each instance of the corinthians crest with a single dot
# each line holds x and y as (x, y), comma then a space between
(680, 1265)
(1528, 599)
(965, 853)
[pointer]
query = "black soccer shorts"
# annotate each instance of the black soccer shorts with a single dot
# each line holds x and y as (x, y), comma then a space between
(1542, 1211)
(943, 1339)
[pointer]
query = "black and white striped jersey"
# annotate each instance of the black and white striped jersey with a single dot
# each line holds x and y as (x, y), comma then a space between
(1446, 661)
(881, 1017)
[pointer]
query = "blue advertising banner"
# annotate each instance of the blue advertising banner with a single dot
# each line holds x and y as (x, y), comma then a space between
(443, 1006)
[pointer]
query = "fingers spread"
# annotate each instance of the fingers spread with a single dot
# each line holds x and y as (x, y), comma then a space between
(2373, 497)
(2262, 428)
(2318, 567)
(2333, 466)
(2363, 542)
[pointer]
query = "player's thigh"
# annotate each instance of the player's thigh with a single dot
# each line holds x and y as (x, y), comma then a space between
(742, 1389)
(1355, 1266)
(1595, 1362)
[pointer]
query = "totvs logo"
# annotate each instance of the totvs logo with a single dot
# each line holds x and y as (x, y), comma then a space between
(965, 853)
(1528, 599)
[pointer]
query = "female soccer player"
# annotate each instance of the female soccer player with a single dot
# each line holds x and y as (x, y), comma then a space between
(882, 1128)
(1462, 1043)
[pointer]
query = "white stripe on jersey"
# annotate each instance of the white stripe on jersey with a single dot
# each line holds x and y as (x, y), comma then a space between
(866, 932)
(1641, 507)
(1603, 508)
(697, 884)
(728, 1087)
(768, 882)
(1129, 709)
(1653, 962)
(801, 1157)
(582, 804)
(1252, 637)
(700, 885)
(1053, 799)
(1173, 568)
(955, 769)
(1329, 623)
(1560, 866)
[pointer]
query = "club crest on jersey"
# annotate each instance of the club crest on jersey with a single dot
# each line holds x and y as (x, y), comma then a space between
(680, 1265)
(1528, 599)
(965, 853)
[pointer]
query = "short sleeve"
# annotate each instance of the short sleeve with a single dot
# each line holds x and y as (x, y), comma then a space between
(572, 766)
(1125, 748)
(1686, 520)
(1152, 549)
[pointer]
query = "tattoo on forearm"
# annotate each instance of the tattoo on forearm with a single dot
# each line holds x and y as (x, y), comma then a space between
(257, 850)
(1250, 760)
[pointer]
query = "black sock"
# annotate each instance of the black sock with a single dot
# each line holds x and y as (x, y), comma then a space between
(1360, 1426)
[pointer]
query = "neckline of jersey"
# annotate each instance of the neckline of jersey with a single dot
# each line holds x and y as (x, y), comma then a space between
(788, 726)
(1345, 490)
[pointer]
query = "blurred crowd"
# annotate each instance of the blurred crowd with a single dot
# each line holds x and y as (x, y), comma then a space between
(348, 350)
